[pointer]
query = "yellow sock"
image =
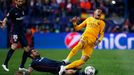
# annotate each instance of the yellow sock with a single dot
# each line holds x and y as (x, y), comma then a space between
(74, 64)
(74, 51)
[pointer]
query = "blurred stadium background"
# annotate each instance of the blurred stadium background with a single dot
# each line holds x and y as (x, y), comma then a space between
(48, 22)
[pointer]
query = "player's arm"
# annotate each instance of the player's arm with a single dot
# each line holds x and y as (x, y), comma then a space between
(78, 27)
(3, 23)
(8, 16)
(101, 33)
(25, 72)
(74, 72)
(30, 70)
(70, 72)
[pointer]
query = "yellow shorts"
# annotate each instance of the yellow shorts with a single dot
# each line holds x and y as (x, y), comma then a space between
(88, 45)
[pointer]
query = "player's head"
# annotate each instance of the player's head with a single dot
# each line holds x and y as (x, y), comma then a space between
(34, 53)
(19, 3)
(99, 13)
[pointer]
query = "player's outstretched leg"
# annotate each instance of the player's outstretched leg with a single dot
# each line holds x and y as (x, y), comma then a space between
(62, 69)
(9, 55)
(24, 58)
(79, 46)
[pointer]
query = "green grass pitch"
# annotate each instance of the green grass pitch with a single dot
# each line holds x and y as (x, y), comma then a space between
(107, 62)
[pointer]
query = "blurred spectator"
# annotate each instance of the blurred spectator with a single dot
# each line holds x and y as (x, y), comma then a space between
(46, 8)
(125, 26)
(54, 9)
(132, 29)
(69, 8)
(55, 15)
(59, 1)
(29, 37)
(116, 29)
(85, 4)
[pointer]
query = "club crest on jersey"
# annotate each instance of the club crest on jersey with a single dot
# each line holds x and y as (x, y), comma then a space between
(16, 13)
(23, 12)
(72, 39)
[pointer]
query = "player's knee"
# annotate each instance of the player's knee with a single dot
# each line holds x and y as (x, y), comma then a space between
(14, 46)
(81, 44)
(85, 58)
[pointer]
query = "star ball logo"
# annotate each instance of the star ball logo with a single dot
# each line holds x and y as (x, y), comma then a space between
(72, 39)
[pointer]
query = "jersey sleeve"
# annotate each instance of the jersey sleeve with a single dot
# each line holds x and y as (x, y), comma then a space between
(102, 30)
(32, 64)
(80, 26)
(10, 14)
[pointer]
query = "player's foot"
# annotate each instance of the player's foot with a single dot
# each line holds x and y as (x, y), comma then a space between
(66, 61)
(22, 69)
(62, 69)
(5, 67)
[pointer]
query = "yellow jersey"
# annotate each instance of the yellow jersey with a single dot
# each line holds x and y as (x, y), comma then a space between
(94, 27)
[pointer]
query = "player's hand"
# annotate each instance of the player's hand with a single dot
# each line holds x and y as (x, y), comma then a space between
(97, 42)
(2, 24)
(75, 19)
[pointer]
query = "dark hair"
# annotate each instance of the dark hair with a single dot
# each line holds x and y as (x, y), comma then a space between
(103, 10)
(30, 52)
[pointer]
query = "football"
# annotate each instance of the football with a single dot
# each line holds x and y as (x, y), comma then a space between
(89, 70)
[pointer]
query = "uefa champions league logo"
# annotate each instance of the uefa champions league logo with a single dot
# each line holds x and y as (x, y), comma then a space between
(72, 39)
(110, 41)
(117, 41)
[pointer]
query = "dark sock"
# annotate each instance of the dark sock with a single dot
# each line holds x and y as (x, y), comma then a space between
(24, 58)
(9, 55)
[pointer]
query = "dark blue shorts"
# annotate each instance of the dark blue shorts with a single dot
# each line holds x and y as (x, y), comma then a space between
(15, 38)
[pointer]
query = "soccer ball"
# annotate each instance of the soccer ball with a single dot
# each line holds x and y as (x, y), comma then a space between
(89, 70)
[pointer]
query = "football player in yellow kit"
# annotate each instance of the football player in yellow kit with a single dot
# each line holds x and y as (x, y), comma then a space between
(94, 27)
